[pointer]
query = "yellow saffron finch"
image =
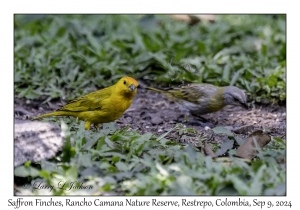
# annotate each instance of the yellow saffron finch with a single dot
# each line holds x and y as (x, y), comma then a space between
(102, 106)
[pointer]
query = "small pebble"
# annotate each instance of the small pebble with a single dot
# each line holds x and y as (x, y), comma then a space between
(128, 119)
(156, 120)
(206, 128)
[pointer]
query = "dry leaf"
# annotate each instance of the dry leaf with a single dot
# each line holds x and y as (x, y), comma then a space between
(243, 129)
(255, 140)
(193, 19)
(208, 150)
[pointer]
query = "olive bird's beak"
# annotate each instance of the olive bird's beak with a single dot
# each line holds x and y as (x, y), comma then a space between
(132, 87)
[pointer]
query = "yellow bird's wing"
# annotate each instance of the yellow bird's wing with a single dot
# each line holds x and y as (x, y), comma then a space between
(89, 102)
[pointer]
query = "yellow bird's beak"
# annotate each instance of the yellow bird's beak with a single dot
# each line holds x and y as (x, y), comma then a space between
(132, 87)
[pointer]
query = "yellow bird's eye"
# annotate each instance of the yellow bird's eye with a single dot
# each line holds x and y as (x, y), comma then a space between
(124, 82)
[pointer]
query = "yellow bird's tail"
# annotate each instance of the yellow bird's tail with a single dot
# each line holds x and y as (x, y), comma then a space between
(55, 113)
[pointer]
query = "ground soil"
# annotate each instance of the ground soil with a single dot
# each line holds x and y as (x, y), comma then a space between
(152, 112)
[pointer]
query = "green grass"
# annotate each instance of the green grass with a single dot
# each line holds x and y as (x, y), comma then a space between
(66, 56)
(123, 162)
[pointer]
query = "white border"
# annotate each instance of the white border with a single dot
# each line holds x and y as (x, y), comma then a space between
(8, 8)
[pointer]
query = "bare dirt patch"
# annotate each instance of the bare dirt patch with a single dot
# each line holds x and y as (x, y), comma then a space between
(152, 112)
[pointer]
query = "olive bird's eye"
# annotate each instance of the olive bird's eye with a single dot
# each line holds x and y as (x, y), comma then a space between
(235, 99)
(124, 82)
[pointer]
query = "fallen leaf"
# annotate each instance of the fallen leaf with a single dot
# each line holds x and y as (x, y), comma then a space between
(208, 151)
(256, 140)
(243, 129)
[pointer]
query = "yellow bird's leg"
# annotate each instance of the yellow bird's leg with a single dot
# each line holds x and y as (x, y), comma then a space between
(87, 125)
(98, 125)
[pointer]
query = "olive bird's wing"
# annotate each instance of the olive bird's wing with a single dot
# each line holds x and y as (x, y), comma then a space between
(192, 93)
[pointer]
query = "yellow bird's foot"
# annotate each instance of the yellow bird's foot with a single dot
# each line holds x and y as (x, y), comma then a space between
(97, 126)
(87, 125)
